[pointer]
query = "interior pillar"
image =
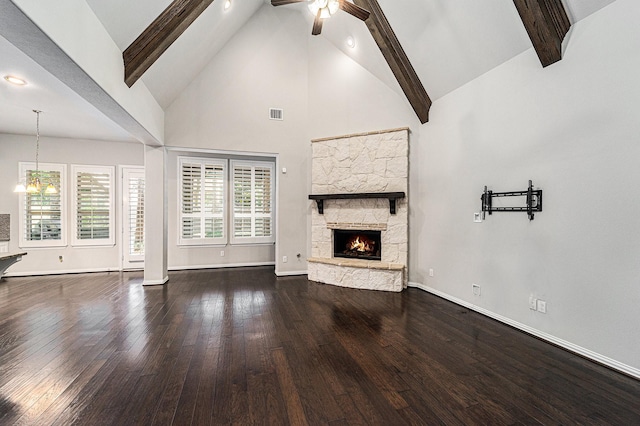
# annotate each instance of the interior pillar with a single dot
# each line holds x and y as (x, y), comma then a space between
(155, 216)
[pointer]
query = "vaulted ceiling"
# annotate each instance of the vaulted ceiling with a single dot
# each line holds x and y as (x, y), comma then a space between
(449, 43)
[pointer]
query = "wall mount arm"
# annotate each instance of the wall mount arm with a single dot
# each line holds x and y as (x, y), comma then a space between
(533, 200)
(391, 196)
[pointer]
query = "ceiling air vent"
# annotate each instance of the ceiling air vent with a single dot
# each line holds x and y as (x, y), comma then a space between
(276, 114)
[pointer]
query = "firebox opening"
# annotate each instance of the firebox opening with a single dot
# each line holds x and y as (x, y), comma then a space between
(357, 244)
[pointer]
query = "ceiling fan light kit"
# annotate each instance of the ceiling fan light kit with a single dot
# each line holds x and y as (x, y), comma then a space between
(323, 9)
(326, 7)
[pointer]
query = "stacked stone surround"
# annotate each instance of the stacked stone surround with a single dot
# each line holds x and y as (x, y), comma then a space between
(361, 163)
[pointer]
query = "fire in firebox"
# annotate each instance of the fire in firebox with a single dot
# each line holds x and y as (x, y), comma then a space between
(357, 244)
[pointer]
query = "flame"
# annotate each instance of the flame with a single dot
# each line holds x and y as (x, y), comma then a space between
(361, 246)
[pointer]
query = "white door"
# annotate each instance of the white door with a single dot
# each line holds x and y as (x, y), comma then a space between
(132, 217)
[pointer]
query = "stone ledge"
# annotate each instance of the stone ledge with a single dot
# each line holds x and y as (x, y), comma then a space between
(358, 263)
(356, 135)
(357, 226)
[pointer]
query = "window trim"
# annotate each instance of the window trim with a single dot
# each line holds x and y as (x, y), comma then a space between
(23, 166)
(252, 240)
(75, 241)
(203, 241)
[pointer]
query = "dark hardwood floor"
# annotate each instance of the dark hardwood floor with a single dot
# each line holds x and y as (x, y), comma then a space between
(241, 346)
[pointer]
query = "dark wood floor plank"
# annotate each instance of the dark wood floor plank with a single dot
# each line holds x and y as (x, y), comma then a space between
(295, 410)
(241, 346)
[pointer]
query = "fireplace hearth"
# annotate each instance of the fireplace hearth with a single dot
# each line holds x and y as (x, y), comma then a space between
(357, 244)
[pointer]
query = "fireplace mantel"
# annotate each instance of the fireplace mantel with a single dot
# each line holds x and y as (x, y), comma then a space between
(391, 196)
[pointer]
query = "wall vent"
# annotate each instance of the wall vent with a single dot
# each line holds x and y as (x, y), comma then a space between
(276, 114)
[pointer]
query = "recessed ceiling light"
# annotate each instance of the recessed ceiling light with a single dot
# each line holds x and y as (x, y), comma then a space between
(15, 80)
(351, 42)
(227, 4)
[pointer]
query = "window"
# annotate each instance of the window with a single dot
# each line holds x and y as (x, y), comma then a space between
(202, 201)
(93, 209)
(252, 202)
(42, 221)
(133, 195)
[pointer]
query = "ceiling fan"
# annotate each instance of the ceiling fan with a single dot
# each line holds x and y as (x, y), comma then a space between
(323, 9)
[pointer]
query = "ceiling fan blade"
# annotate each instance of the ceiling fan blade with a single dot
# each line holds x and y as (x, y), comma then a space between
(317, 24)
(354, 10)
(283, 2)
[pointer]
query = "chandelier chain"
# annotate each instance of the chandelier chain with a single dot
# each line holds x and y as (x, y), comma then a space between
(37, 139)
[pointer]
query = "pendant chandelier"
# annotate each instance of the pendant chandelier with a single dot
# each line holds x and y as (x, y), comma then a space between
(34, 186)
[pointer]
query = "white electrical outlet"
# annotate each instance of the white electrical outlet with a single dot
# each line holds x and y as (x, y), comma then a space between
(542, 306)
(477, 217)
(475, 288)
(430, 272)
(61, 259)
(221, 253)
(285, 259)
(533, 303)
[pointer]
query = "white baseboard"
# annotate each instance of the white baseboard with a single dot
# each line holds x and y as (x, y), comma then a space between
(290, 273)
(599, 358)
(61, 272)
(155, 282)
(220, 266)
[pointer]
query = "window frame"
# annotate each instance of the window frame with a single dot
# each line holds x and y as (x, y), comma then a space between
(95, 242)
(252, 239)
(23, 167)
(203, 241)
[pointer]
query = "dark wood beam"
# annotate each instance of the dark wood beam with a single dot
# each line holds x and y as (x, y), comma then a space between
(158, 36)
(397, 59)
(547, 23)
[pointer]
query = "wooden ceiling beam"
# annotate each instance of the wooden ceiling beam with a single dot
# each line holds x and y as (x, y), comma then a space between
(159, 35)
(397, 59)
(547, 23)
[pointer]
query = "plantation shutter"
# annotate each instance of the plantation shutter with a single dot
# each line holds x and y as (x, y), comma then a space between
(43, 212)
(252, 202)
(93, 205)
(262, 202)
(191, 205)
(242, 201)
(92, 215)
(202, 194)
(135, 208)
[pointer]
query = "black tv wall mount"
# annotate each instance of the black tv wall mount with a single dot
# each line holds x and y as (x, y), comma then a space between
(533, 201)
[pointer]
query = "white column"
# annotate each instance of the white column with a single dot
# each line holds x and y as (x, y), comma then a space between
(155, 216)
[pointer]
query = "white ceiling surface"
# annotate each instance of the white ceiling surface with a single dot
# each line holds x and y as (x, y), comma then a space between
(125, 20)
(449, 42)
(64, 113)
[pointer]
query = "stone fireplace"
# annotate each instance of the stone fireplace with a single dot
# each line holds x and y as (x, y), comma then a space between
(359, 232)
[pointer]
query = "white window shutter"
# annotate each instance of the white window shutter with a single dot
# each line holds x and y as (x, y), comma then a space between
(253, 193)
(202, 195)
(135, 208)
(42, 221)
(93, 205)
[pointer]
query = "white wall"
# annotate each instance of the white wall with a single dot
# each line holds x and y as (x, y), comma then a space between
(15, 148)
(226, 108)
(574, 129)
